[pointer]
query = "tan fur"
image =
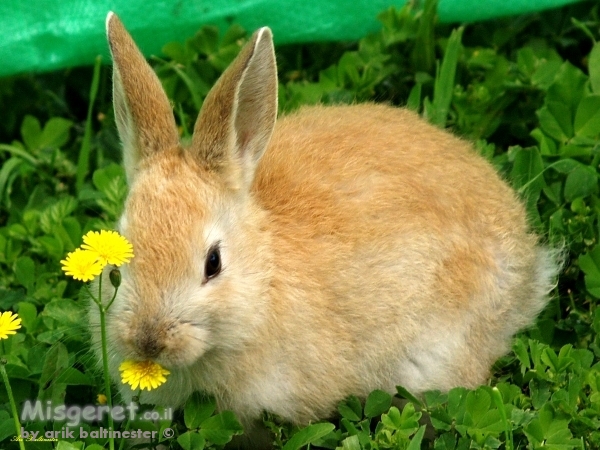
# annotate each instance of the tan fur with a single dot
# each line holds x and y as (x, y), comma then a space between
(365, 249)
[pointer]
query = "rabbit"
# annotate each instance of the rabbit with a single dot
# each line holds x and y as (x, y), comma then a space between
(283, 265)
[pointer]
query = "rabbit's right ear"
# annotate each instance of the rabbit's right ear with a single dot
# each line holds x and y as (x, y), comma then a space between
(238, 115)
(142, 110)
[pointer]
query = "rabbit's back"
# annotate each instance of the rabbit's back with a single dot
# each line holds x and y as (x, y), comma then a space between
(409, 241)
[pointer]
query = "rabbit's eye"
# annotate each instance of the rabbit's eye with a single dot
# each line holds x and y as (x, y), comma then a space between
(212, 267)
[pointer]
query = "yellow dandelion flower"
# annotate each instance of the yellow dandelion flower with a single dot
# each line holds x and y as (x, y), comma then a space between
(82, 265)
(102, 399)
(9, 323)
(145, 374)
(109, 246)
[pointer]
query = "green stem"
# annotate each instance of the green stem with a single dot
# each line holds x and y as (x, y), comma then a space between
(13, 406)
(128, 423)
(508, 434)
(112, 299)
(122, 443)
(102, 309)
(83, 162)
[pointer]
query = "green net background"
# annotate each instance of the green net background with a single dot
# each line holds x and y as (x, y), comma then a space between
(39, 35)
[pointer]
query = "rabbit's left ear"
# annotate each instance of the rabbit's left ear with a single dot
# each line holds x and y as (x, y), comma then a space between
(142, 110)
(238, 114)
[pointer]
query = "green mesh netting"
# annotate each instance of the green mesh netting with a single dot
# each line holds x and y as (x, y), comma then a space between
(42, 35)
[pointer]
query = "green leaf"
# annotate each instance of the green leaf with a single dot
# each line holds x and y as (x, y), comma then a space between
(596, 326)
(308, 435)
(392, 419)
(233, 35)
(583, 27)
(587, 118)
(73, 377)
(547, 145)
(550, 125)
(404, 393)
(414, 98)
(16, 150)
(64, 445)
(520, 349)
(206, 41)
(175, 51)
(53, 247)
(550, 431)
(103, 178)
(594, 68)
(478, 403)
(590, 264)
(565, 165)
(57, 359)
(28, 315)
(351, 443)
(191, 440)
(31, 132)
(73, 230)
(9, 167)
(423, 54)
(7, 426)
(56, 212)
(444, 82)
(446, 441)
(56, 133)
(574, 151)
(351, 409)
(568, 87)
(490, 422)
(527, 171)
(456, 398)
(563, 117)
(221, 428)
(66, 312)
(197, 409)
(25, 272)
(377, 403)
(415, 442)
(545, 74)
(581, 182)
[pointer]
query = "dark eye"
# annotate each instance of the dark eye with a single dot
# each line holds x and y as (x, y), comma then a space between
(212, 267)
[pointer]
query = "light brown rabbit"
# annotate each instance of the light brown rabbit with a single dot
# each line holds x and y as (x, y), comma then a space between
(283, 266)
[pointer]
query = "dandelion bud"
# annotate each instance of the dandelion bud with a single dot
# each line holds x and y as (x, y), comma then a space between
(115, 278)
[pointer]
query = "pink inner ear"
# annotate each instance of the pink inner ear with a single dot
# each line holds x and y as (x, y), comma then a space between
(243, 142)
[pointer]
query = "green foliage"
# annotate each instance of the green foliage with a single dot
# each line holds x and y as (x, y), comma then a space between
(525, 90)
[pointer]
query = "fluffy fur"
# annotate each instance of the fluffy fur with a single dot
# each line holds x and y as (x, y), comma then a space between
(362, 248)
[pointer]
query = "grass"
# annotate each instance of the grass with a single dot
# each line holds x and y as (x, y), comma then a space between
(525, 90)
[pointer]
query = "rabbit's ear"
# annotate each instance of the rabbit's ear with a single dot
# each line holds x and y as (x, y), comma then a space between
(142, 111)
(238, 115)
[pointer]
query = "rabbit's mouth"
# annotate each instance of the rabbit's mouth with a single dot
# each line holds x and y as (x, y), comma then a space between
(173, 345)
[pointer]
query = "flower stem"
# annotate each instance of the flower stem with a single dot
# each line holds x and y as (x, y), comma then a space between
(102, 309)
(112, 299)
(13, 406)
(128, 423)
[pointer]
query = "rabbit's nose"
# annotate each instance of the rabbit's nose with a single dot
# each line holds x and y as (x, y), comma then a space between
(148, 345)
